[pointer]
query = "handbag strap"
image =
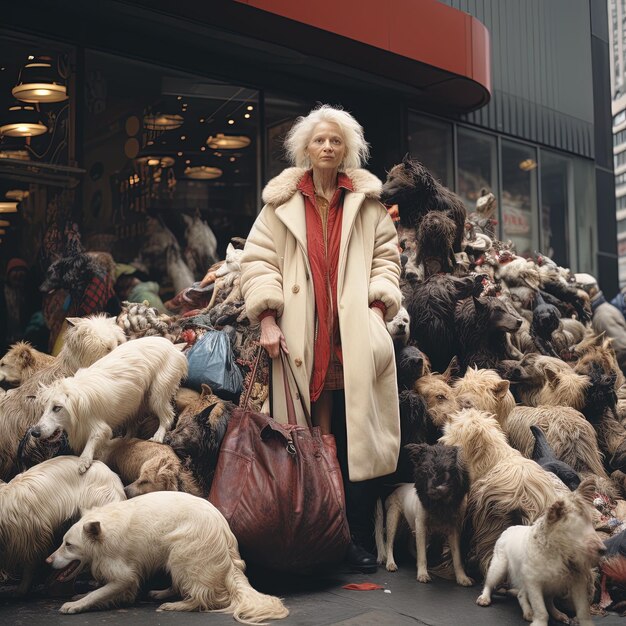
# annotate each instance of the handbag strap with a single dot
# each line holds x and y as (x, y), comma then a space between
(255, 368)
(291, 410)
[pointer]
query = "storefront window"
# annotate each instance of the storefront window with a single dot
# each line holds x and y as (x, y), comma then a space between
(556, 173)
(519, 196)
(430, 141)
(165, 144)
(585, 225)
(477, 165)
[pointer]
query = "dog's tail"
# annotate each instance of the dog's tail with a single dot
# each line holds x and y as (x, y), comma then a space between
(247, 604)
(542, 448)
(379, 532)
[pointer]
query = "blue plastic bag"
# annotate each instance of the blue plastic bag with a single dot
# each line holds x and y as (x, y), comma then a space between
(211, 362)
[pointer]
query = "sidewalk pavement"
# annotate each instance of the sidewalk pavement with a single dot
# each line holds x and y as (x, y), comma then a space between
(319, 601)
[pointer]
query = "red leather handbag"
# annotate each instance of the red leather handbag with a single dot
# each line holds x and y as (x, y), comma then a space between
(279, 486)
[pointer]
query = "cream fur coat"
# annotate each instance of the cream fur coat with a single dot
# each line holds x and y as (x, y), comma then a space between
(276, 275)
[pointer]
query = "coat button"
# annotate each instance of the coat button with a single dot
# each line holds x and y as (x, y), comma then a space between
(298, 362)
(295, 288)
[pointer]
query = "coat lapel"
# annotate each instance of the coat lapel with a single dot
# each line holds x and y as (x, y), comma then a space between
(351, 205)
(292, 215)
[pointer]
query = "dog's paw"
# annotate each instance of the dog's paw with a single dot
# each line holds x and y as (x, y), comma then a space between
(561, 617)
(71, 607)
(483, 600)
(464, 581)
(84, 466)
(160, 594)
(392, 567)
(423, 578)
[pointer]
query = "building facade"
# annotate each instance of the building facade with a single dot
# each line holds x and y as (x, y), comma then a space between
(180, 108)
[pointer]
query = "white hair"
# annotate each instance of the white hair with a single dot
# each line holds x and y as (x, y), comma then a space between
(357, 149)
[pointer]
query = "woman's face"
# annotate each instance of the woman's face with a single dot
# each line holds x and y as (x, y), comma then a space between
(327, 147)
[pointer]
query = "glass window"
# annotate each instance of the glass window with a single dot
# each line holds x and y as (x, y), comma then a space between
(167, 144)
(585, 224)
(430, 141)
(477, 165)
(519, 196)
(280, 114)
(555, 201)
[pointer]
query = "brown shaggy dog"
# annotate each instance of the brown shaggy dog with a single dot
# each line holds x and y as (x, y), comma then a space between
(506, 488)
(198, 435)
(416, 192)
(146, 466)
(440, 398)
(20, 362)
(597, 350)
(87, 340)
(569, 434)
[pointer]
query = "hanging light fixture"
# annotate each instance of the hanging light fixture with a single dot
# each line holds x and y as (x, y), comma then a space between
(203, 172)
(156, 154)
(4, 223)
(39, 82)
(8, 207)
(22, 120)
(162, 121)
(220, 141)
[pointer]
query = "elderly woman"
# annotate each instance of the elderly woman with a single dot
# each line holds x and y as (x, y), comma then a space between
(320, 271)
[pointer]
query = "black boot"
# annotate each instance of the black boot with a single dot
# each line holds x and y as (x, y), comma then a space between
(360, 559)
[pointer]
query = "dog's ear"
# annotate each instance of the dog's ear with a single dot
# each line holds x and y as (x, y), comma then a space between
(556, 512)
(75, 321)
(587, 489)
(113, 321)
(416, 452)
(501, 389)
(479, 305)
(406, 160)
(452, 370)
(552, 377)
(93, 531)
(25, 356)
(206, 390)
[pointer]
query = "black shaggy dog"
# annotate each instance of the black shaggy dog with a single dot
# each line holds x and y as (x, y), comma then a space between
(544, 455)
(482, 325)
(431, 306)
(546, 319)
(435, 243)
(416, 192)
(198, 435)
(72, 273)
(441, 486)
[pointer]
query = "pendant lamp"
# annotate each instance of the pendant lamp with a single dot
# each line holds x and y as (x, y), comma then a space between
(39, 82)
(220, 141)
(22, 120)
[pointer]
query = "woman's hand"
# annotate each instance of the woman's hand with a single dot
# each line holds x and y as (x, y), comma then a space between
(272, 338)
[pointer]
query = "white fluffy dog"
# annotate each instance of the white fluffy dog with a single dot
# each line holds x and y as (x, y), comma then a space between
(552, 558)
(140, 376)
(187, 536)
(35, 505)
(86, 340)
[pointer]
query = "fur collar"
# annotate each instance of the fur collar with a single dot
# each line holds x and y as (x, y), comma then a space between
(284, 186)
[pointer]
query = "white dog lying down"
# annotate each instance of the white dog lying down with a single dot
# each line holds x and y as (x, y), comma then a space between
(137, 377)
(35, 505)
(550, 559)
(187, 536)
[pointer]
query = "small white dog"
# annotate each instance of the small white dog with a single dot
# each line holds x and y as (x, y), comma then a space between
(550, 559)
(399, 327)
(35, 505)
(135, 378)
(185, 535)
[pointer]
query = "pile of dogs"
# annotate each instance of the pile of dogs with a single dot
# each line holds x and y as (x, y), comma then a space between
(512, 425)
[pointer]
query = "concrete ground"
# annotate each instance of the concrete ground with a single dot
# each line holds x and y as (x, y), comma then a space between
(313, 602)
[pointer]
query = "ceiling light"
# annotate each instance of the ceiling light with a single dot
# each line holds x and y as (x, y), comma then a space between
(8, 207)
(203, 172)
(228, 142)
(3, 231)
(231, 121)
(39, 82)
(247, 116)
(162, 121)
(527, 165)
(5, 223)
(250, 107)
(21, 120)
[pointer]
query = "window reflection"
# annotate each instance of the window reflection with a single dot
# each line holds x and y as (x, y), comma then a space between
(430, 141)
(519, 196)
(555, 200)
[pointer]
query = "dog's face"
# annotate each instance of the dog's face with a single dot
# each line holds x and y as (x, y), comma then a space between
(18, 358)
(496, 315)
(572, 517)
(439, 397)
(54, 418)
(75, 553)
(439, 474)
(484, 390)
(546, 319)
(399, 327)
(157, 474)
